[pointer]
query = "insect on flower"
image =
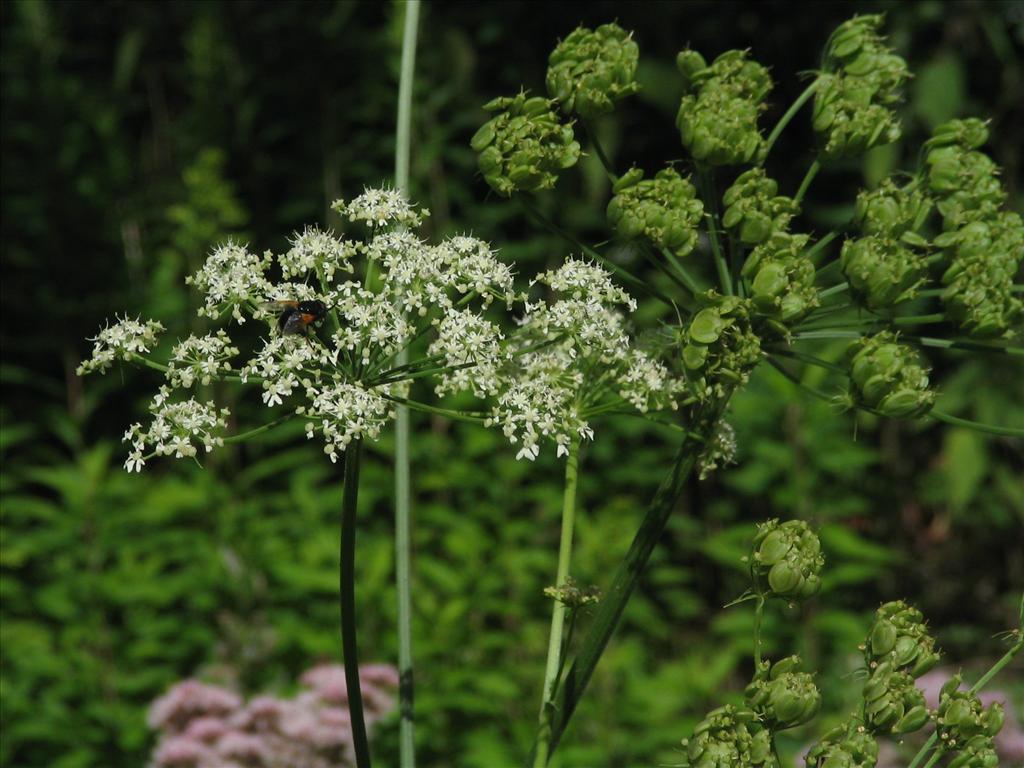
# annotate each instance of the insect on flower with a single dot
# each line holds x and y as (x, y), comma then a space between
(297, 316)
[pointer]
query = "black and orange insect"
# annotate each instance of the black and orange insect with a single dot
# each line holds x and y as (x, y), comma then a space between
(297, 316)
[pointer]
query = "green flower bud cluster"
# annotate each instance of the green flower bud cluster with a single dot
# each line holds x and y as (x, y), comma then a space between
(979, 289)
(788, 557)
(592, 69)
(753, 209)
(718, 117)
(848, 745)
(965, 726)
(887, 377)
(964, 181)
(893, 211)
(664, 209)
(720, 348)
(863, 81)
(727, 737)
(899, 636)
(782, 278)
(524, 146)
(782, 695)
(892, 703)
(881, 271)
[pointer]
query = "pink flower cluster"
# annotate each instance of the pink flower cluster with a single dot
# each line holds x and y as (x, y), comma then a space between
(205, 726)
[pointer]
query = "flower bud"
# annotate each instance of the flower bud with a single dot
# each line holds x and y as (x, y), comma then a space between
(887, 377)
(848, 745)
(899, 637)
(882, 272)
(863, 80)
(753, 211)
(783, 696)
(717, 120)
(591, 70)
(728, 736)
(788, 556)
(664, 209)
(524, 146)
(966, 727)
(719, 347)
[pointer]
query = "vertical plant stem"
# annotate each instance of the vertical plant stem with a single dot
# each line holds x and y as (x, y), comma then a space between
(403, 501)
(758, 616)
(347, 587)
(554, 663)
(609, 610)
(711, 213)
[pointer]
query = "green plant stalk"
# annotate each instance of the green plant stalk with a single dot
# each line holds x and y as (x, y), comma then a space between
(808, 178)
(403, 496)
(758, 616)
(790, 114)
(994, 670)
(707, 190)
(347, 588)
(609, 610)
(554, 663)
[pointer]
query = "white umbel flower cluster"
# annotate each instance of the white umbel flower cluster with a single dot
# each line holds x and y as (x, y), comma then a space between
(200, 358)
(121, 341)
(232, 279)
(318, 252)
(381, 208)
(333, 339)
(575, 360)
(178, 429)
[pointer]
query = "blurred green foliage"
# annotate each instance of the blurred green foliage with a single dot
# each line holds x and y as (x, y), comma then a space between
(135, 134)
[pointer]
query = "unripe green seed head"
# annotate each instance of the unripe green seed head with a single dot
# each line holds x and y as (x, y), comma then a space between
(849, 745)
(728, 736)
(524, 146)
(665, 210)
(591, 70)
(788, 557)
(887, 377)
(753, 210)
(882, 272)
(782, 278)
(719, 346)
(899, 638)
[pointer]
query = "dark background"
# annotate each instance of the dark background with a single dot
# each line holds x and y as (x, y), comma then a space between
(137, 134)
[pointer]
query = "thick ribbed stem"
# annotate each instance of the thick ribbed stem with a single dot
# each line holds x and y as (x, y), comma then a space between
(347, 587)
(403, 502)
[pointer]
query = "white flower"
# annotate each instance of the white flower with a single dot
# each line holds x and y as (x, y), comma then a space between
(343, 412)
(231, 278)
(319, 252)
(177, 429)
(121, 341)
(380, 208)
(471, 345)
(200, 358)
(585, 280)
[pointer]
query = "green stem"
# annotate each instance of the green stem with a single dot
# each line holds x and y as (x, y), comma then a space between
(758, 617)
(712, 219)
(808, 178)
(818, 247)
(691, 282)
(599, 151)
(258, 430)
(790, 114)
(609, 610)
(347, 587)
(991, 429)
(403, 496)
(554, 662)
(994, 670)
(833, 290)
